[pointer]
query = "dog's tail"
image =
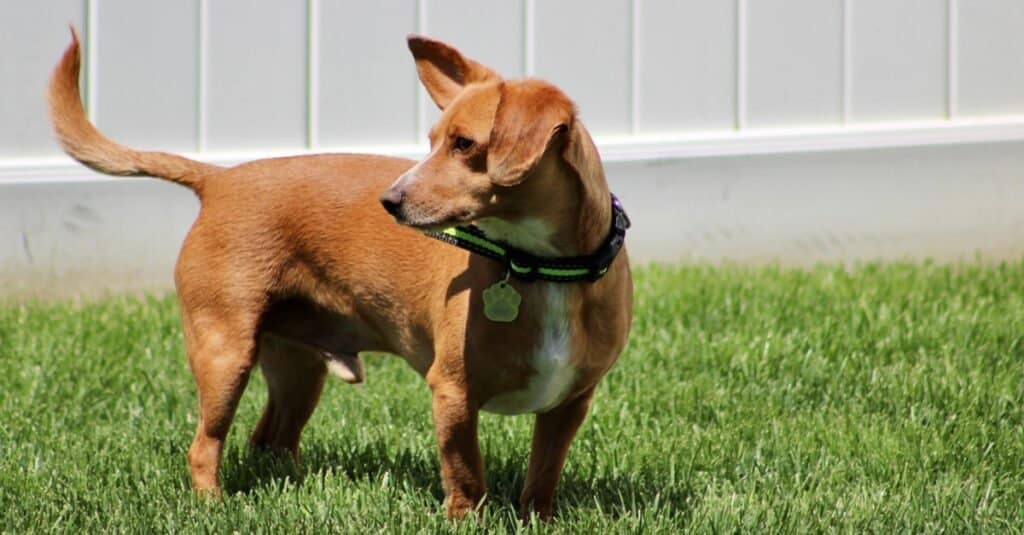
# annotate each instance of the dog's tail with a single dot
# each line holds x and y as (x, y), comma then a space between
(83, 142)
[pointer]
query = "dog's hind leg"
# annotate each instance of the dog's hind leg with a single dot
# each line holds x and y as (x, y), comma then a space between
(295, 378)
(222, 352)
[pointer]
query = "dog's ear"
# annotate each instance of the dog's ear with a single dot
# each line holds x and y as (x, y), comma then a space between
(444, 71)
(532, 116)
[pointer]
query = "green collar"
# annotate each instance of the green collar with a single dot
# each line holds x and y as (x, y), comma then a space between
(528, 267)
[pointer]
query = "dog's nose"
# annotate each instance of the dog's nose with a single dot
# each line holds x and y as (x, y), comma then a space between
(392, 200)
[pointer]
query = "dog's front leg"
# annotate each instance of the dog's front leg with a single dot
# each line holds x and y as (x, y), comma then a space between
(462, 466)
(553, 432)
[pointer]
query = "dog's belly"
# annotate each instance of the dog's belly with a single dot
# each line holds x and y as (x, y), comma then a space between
(553, 376)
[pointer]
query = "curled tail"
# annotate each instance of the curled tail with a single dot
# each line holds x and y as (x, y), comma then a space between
(83, 142)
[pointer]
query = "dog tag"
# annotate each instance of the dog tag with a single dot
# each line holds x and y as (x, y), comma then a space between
(501, 302)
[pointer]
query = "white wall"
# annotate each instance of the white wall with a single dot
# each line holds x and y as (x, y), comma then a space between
(684, 96)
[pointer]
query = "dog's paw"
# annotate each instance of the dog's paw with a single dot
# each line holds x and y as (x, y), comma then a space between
(460, 506)
(531, 508)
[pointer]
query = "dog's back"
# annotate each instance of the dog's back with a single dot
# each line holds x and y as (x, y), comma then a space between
(318, 211)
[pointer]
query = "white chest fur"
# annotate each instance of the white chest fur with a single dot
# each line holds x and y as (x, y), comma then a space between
(553, 375)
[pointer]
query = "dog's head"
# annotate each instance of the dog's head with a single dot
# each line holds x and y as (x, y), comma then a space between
(509, 155)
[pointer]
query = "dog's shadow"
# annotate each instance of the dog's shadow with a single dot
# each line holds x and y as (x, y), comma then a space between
(250, 471)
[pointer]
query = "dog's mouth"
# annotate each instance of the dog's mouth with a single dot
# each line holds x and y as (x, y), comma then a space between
(438, 227)
(435, 224)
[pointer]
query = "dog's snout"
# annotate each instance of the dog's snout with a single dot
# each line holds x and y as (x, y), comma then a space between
(392, 199)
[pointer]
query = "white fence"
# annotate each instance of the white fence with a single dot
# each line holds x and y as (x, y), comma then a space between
(789, 130)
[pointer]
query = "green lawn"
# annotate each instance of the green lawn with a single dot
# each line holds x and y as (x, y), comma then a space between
(885, 398)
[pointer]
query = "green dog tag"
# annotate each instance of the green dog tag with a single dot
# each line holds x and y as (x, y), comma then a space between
(501, 302)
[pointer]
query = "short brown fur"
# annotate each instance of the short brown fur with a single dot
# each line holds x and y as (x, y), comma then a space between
(293, 264)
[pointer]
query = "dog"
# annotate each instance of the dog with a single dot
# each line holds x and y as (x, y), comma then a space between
(302, 263)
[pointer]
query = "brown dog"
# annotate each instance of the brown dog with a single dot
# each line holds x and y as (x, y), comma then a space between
(292, 263)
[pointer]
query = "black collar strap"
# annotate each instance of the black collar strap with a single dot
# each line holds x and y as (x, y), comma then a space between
(528, 267)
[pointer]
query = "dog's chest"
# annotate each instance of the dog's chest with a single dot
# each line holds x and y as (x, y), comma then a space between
(553, 375)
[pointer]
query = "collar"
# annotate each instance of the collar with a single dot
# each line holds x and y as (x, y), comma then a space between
(528, 267)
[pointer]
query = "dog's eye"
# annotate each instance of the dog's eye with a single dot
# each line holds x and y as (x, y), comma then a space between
(462, 144)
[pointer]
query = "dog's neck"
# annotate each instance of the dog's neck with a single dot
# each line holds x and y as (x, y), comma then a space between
(534, 235)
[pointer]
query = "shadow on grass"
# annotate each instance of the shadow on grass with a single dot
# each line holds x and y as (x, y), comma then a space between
(248, 471)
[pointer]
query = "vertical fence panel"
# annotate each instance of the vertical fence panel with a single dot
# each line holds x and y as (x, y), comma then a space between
(489, 31)
(367, 88)
(32, 36)
(256, 85)
(794, 62)
(584, 47)
(148, 92)
(899, 59)
(991, 57)
(687, 65)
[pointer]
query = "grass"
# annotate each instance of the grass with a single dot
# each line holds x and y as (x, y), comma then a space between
(886, 398)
